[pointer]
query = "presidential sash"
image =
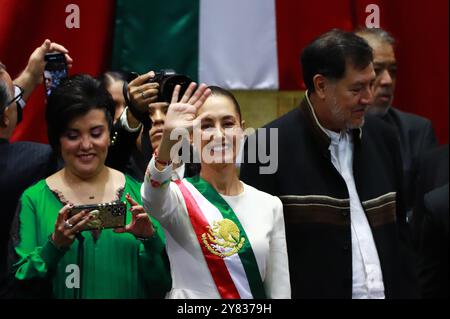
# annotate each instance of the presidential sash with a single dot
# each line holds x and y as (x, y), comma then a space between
(224, 243)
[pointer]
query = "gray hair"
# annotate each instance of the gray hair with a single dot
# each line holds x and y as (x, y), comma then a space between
(377, 33)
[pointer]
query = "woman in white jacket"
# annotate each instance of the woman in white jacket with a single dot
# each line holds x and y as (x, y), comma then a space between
(225, 239)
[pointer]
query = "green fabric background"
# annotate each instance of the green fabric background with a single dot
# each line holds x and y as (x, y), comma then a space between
(155, 35)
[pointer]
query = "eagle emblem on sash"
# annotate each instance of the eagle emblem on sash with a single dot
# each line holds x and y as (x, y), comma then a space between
(223, 239)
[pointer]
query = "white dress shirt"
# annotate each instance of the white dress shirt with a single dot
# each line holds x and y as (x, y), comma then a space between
(367, 276)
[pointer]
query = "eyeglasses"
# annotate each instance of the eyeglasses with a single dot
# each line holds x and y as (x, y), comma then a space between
(17, 97)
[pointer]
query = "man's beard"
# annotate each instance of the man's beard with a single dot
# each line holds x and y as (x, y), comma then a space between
(339, 114)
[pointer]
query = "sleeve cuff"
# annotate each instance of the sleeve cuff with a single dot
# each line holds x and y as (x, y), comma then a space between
(20, 102)
(125, 124)
(154, 243)
(51, 255)
(157, 178)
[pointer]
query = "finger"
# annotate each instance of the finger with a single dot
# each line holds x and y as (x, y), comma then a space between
(198, 120)
(150, 94)
(145, 87)
(202, 99)
(131, 200)
(79, 226)
(176, 92)
(137, 210)
(69, 60)
(57, 47)
(189, 91)
(63, 213)
(144, 91)
(143, 216)
(77, 218)
(198, 93)
(46, 45)
(142, 79)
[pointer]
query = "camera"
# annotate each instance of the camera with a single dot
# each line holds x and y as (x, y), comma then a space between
(167, 80)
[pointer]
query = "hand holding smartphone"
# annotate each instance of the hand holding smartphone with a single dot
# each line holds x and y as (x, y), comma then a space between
(110, 215)
(55, 71)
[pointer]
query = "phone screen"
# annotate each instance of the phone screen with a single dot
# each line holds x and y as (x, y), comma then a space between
(55, 71)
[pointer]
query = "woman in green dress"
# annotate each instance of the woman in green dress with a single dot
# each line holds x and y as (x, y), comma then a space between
(127, 262)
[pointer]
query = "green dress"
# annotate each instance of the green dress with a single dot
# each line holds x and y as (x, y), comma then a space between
(113, 266)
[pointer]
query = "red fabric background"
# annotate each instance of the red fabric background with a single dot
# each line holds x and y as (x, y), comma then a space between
(25, 24)
(420, 28)
(422, 32)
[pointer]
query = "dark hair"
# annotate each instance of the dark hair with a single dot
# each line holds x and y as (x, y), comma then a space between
(329, 54)
(377, 33)
(218, 91)
(75, 97)
(108, 78)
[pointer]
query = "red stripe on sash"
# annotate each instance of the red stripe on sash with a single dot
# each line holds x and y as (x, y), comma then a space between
(216, 265)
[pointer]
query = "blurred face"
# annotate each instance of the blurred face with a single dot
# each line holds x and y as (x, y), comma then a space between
(10, 113)
(116, 91)
(220, 129)
(157, 113)
(84, 145)
(349, 98)
(48, 79)
(385, 67)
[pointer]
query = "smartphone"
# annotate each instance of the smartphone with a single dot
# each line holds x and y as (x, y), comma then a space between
(109, 215)
(55, 71)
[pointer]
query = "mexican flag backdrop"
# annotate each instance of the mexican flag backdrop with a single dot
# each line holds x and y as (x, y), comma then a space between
(237, 44)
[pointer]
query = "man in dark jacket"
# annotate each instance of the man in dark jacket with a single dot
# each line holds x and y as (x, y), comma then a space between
(340, 184)
(433, 244)
(429, 223)
(415, 133)
(21, 163)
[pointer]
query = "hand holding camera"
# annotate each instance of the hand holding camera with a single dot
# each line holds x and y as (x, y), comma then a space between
(142, 92)
(152, 87)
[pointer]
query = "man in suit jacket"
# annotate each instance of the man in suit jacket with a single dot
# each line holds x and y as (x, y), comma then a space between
(340, 182)
(433, 243)
(433, 173)
(415, 133)
(22, 163)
